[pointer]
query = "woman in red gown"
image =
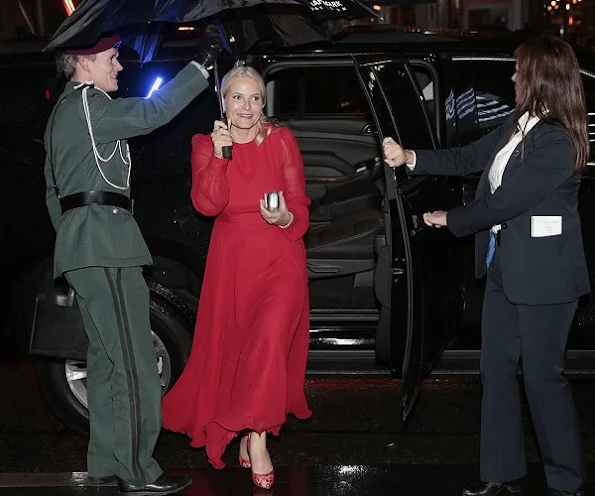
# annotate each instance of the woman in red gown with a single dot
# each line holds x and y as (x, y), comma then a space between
(247, 367)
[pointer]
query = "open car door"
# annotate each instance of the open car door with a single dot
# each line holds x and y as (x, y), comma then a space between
(426, 264)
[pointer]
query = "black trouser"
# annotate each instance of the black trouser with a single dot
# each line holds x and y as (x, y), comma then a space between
(536, 336)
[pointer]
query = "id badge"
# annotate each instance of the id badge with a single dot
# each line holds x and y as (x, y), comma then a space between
(546, 225)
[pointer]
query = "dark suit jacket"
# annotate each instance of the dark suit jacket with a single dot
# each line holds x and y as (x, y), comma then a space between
(539, 180)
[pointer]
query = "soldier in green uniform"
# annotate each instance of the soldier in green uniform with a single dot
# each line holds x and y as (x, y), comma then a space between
(100, 251)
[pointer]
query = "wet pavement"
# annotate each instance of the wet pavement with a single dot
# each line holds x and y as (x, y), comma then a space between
(339, 480)
(353, 445)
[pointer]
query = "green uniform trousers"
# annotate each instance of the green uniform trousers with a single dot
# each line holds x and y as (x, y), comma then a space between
(123, 385)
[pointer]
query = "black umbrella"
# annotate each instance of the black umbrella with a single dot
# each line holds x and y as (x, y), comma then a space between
(140, 22)
(281, 25)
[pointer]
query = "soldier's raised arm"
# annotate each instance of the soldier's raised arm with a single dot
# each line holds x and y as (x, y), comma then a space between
(123, 118)
(110, 119)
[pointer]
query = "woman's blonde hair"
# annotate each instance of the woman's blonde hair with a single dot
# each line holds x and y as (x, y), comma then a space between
(248, 71)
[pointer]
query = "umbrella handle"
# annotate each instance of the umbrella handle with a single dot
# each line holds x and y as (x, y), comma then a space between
(226, 150)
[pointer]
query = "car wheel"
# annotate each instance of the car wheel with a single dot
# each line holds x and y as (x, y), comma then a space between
(63, 383)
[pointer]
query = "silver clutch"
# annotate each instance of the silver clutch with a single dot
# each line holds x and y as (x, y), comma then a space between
(271, 201)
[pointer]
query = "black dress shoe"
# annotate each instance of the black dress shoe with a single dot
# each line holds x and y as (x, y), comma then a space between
(493, 488)
(163, 485)
(559, 492)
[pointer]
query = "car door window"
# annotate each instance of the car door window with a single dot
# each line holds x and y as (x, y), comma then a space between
(426, 83)
(25, 107)
(317, 90)
(493, 88)
(495, 95)
(405, 105)
(169, 146)
(589, 84)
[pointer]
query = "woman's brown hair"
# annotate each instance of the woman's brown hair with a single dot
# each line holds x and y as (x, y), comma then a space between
(549, 85)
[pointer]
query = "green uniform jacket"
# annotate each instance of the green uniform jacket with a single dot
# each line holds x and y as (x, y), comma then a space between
(103, 235)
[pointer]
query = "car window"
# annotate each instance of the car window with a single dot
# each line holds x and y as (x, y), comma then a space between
(427, 88)
(317, 90)
(589, 84)
(25, 106)
(404, 98)
(27, 101)
(168, 146)
(494, 91)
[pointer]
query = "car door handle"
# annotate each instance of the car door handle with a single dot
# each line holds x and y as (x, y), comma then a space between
(368, 130)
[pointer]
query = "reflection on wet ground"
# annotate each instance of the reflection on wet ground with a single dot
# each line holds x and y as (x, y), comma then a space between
(339, 480)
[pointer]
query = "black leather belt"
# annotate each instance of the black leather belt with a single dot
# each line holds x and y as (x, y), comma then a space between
(95, 198)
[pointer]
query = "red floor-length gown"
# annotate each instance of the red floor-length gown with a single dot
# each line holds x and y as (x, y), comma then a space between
(248, 360)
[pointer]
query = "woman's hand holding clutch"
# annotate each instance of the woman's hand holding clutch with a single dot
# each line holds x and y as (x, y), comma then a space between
(279, 217)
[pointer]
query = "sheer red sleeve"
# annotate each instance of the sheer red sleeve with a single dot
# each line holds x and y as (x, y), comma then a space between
(295, 185)
(210, 190)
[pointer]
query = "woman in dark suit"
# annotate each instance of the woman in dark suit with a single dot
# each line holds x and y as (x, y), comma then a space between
(528, 242)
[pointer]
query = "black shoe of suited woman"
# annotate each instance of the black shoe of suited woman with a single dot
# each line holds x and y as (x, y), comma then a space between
(493, 489)
(162, 486)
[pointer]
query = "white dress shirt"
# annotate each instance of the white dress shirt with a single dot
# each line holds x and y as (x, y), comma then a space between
(498, 166)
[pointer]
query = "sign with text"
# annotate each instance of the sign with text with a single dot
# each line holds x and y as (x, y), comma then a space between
(328, 9)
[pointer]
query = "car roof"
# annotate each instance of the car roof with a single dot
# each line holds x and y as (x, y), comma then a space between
(390, 38)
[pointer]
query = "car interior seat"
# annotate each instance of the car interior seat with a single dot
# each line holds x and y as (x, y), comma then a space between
(334, 197)
(345, 221)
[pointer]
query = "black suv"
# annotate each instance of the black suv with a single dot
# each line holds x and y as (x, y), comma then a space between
(387, 293)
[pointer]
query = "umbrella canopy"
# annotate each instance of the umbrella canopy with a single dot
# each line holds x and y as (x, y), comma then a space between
(140, 22)
(281, 25)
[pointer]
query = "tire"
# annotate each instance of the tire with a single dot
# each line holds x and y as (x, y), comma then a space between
(63, 382)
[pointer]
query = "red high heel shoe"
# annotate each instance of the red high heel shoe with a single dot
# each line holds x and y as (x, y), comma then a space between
(244, 463)
(265, 481)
